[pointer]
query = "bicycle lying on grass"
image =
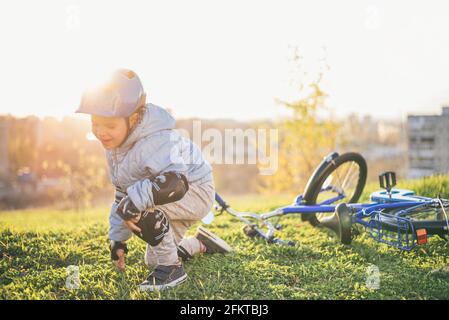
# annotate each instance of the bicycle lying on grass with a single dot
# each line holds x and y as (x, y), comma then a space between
(397, 217)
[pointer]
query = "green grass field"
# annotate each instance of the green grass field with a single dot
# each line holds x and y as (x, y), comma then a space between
(36, 246)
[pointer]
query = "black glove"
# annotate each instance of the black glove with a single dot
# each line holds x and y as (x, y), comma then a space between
(114, 246)
(169, 187)
(126, 209)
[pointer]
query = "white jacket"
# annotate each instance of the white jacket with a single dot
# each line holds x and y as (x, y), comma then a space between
(152, 148)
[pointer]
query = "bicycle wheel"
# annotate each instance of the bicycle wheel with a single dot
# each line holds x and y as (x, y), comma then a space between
(345, 175)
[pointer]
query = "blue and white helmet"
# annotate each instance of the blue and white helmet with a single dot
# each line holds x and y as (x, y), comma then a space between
(121, 96)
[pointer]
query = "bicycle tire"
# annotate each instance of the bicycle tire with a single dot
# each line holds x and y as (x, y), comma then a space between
(317, 180)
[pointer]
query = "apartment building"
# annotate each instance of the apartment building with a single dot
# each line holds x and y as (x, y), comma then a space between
(428, 144)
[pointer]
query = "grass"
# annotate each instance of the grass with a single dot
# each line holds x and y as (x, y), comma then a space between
(36, 246)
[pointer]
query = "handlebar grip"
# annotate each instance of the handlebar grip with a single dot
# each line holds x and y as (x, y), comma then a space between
(221, 202)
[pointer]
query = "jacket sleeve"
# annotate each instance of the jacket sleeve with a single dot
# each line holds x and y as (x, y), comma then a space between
(117, 229)
(161, 154)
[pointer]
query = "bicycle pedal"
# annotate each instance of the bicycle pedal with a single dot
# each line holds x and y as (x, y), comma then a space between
(355, 232)
(387, 181)
(250, 231)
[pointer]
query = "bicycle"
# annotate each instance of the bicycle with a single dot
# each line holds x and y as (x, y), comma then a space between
(396, 217)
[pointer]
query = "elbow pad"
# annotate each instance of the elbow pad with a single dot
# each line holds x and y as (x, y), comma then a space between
(169, 187)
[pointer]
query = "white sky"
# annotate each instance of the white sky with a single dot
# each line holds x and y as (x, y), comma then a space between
(226, 58)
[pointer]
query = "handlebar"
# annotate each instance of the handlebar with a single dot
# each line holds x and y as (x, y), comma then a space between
(221, 202)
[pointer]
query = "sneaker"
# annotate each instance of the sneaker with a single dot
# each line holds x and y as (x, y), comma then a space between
(183, 254)
(212, 242)
(164, 277)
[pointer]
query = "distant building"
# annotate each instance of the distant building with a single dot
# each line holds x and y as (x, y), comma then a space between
(4, 158)
(428, 138)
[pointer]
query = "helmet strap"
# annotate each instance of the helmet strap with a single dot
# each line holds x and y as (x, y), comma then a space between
(128, 128)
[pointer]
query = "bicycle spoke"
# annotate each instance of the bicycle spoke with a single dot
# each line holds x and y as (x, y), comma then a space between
(348, 174)
(345, 180)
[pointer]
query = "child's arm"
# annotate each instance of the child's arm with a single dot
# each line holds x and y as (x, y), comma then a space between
(118, 234)
(117, 229)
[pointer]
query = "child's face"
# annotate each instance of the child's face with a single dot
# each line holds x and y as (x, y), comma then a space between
(110, 131)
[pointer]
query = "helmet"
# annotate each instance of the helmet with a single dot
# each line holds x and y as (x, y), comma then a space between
(121, 96)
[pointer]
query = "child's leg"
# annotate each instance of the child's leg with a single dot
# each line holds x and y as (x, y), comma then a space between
(165, 253)
(150, 257)
(191, 244)
(182, 214)
(194, 206)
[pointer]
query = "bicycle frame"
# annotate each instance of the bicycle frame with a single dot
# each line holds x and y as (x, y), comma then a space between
(368, 215)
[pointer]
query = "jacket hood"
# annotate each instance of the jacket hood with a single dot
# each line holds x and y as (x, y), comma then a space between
(154, 119)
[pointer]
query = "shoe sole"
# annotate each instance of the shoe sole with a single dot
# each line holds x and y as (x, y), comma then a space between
(203, 233)
(183, 254)
(174, 283)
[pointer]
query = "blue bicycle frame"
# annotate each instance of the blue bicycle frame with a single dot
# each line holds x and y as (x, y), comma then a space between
(401, 233)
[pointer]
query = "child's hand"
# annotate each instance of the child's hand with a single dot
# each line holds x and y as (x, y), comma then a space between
(120, 263)
(118, 253)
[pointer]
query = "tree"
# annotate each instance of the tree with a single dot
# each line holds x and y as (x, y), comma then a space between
(305, 138)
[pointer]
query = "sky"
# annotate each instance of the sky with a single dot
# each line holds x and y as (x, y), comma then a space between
(228, 59)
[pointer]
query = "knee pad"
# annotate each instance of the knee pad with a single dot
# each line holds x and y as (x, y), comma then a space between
(154, 226)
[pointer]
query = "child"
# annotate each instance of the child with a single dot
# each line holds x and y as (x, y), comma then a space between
(163, 184)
